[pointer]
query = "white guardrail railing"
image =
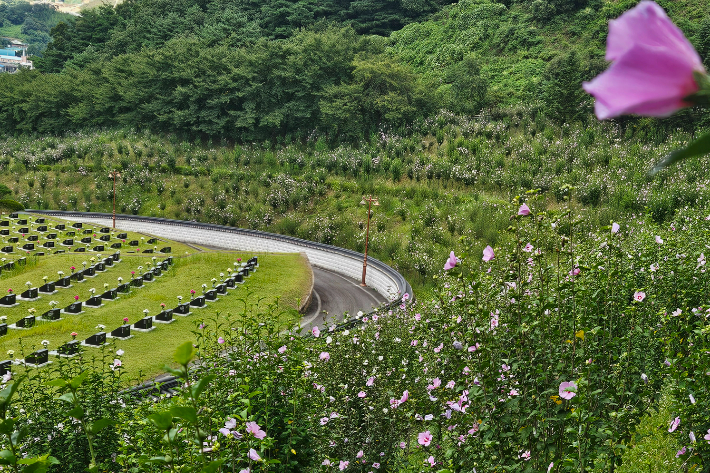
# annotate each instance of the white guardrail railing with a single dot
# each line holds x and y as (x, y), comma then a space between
(381, 277)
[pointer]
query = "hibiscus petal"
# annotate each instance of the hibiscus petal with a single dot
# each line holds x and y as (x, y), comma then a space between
(645, 82)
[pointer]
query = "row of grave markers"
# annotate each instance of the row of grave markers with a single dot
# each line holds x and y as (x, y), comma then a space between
(95, 301)
(69, 349)
(103, 240)
(33, 293)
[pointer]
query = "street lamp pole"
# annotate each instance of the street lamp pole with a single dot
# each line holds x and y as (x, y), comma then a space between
(114, 175)
(370, 201)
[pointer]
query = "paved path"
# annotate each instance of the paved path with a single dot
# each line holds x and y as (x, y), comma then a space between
(335, 294)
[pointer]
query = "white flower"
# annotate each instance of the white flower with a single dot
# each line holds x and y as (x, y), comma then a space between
(45, 342)
(119, 352)
(101, 326)
(28, 284)
(145, 311)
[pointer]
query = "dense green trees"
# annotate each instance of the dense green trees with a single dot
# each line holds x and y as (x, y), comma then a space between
(254, 70)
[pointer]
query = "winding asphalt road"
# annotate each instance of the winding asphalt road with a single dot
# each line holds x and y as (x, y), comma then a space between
(333, 296)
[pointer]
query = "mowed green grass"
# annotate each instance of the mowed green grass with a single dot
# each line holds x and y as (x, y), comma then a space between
(283, 276)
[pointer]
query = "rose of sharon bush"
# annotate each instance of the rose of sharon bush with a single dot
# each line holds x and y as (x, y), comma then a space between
(653, 66)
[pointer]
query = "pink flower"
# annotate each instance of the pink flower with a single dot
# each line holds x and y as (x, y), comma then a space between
(424, 438)
(707, 436)
(361, 394)
(568, 389)
(575, 272)
(359, 454)
(315, 331)
(525, 455)
(659, 240)
(370, 381)
(674, 424)
(324, 356)
(431, 460)
(680, 452)
(376, 465)
(615, 228)
(488, 253)
(324, 420)
(343, 465)
(451, 262)
(220, 340)
(528, 248)
(76, 298)
(254, 429)
(652, 69)
(524, 210)
(405, 397)
(125, 320)
(282, 350)
(253, 455)
(73, 334)
(639, 296)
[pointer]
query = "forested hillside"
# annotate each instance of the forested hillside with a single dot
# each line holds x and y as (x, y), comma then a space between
(280, 71)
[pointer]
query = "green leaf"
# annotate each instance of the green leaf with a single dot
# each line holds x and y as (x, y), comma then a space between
(7, 393)
(698, 147)
(7, 426)
(76, 381)
(77, 413)
(158, 460)
(99, 425)
(212, 467)
(180, 372)
(7, 458)
(162, 420)
(201, 385)
(184, 353)
(38, 464)
(184, 412)
(59, 382)
(67, 397)
(19, 435)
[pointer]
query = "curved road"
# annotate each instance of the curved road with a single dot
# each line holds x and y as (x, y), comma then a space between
(333, 296)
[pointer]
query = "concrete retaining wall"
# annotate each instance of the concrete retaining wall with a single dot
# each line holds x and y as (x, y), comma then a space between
(380, 276)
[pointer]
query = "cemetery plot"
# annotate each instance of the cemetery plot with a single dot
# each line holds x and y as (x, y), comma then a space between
(148, 338)
(125, 282)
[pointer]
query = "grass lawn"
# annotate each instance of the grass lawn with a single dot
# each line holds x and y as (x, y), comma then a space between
(283, 276)
(286, 277)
